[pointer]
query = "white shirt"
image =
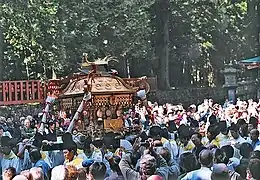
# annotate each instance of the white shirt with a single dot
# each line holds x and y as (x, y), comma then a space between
(7, 133)
(239, 140)
(128, 122)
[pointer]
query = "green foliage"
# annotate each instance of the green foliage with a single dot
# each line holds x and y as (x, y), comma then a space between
(42, 36)
(30, 33)
(52, 35)
(207, 34)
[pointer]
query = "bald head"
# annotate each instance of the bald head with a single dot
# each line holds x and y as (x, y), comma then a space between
(20, 177)
(254, 134)
(37, 173)
(148, 164)
(155, 177)
(206, 158)
(27, 123)
(254, 131)
(59, 173)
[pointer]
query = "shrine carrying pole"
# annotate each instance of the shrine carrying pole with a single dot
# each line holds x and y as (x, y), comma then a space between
(86, 97)
(49, 100)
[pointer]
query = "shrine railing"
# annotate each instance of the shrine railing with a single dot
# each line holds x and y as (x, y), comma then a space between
(21, 92)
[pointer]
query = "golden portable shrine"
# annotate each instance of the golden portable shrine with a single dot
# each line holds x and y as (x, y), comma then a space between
(110, 96)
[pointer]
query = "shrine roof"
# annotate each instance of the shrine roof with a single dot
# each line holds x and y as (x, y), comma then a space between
(251, 60)
(251, 63)
(104, 84)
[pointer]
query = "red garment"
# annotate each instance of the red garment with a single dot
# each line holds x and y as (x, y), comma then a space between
(178, 119)
(155, 177)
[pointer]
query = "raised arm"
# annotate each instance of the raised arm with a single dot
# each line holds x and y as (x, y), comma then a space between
(49, 100)
(80, 108)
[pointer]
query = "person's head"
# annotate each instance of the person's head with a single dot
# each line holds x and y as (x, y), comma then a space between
(27, 123)
(27, 174)
(253, 167)
(132, 114)
(59, 173)
(254, 134)
(184, 139)
(72, 172)
(9, 173)
(188, 161)
(223, 127)
(212, 132)
(97, 171)
(241, 122)
(30, 118)
(234, 131)
(6, 150)
(184, 134)
(35, 155)
(229, 151)
(20, 177)
(69, 153)
(244, 114)
(37, 173)
(137, 115)
(194, 125)
(206, 158)
(243, 130)
(196, 138)
(52, 125)
(220, 172)
(245, 150)
(82, 174)
(220, 156)
(147, 165)
(211, 102)
(212, 119)
(192, 108)
(252, 124)
(10, 124)
(126, 115)
(255, 154)
(165, 133)
(155, 177)
(165, 153)
(58, 124)
(155, 132)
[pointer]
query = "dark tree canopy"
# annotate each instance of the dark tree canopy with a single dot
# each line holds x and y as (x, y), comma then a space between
(182, 42)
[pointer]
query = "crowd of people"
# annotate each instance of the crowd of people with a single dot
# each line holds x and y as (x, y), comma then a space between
(208, 141)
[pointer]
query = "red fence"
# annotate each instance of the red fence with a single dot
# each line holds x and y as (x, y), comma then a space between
(20, 92)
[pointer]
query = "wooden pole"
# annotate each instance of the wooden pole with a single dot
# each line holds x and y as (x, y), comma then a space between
(80, 108)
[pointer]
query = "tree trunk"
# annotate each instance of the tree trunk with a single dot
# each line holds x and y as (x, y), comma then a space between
(1, 55)
(253, 28)
(63, 52)
(162, 41)
(258, 27)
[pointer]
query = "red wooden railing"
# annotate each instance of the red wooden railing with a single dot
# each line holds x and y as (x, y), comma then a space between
(21, 92)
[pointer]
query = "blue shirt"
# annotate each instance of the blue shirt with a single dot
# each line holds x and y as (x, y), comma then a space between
(201, 174)
(42, 164)
(255, 144)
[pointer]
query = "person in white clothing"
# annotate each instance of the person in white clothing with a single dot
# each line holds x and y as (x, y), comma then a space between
(4, 133)
(236, 140)
(204, 173)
